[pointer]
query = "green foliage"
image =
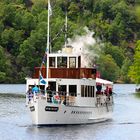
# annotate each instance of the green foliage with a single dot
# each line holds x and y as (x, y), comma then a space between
(116, 52)
(115, 21)
(38, 7)
(108, 68)
(134, 71)
(137, 9)
(137, 94)
(124, 71)
(11, 40)
(4, 65)
(23, 34)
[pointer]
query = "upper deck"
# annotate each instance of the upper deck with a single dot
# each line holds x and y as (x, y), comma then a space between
(71, 73)
(65, 65)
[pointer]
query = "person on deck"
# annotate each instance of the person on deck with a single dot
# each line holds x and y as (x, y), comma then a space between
(35, 90)
(99, 89)
(49, 93)
(29, 94)
(110, 91)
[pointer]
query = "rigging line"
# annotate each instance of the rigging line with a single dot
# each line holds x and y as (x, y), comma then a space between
(56, 36)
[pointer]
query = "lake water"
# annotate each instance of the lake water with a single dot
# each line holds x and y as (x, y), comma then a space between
(15, 122)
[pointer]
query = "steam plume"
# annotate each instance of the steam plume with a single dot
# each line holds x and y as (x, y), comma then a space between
(86, 46)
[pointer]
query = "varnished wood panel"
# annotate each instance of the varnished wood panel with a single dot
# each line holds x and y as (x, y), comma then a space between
(73, 73)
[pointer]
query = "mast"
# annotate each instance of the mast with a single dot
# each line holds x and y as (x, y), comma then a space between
(66, 28)
(48, 38)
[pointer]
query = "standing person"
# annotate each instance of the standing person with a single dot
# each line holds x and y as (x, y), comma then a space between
(99, 89)
(29, 94)
(35, 90)
(49, 93)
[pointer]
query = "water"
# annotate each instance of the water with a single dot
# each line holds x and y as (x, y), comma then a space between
(15, 121)
(12, 88)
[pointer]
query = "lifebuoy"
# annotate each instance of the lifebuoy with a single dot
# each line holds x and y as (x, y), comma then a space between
(56, 97)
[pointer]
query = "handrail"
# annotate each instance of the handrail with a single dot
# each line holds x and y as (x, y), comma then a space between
(57, 97)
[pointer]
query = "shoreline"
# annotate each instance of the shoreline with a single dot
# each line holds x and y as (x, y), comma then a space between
(137, 94)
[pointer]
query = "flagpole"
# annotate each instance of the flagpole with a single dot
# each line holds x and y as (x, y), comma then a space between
(48, 41)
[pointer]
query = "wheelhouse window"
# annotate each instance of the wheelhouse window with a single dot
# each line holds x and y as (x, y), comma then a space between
(79, 62)
(72, 90)
(72, 62)
(52, 62)
(62, 62)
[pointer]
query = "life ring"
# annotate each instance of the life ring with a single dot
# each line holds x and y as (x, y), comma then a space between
(56, 98)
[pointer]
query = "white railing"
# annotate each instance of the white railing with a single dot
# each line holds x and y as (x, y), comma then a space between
(52, 97)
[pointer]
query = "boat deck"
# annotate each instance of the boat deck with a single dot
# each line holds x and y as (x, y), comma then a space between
(69, 73)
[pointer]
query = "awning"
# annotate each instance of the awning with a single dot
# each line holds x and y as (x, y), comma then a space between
(102, 81)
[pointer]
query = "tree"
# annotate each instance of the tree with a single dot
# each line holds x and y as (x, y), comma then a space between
(124, 71)
(23, 29)
(38, 7)
(108, 68)
(114, 21)
(4, 65)
(11, 40)
(134, 71)
(116, 52)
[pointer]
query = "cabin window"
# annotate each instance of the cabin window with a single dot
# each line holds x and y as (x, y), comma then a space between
(62, 89)
(82, 91)
(52, 86)
(62, 62)
(92, 91)
(52, 62)
(87, 91)
(72, 62)
(42, 89)
(72, 90)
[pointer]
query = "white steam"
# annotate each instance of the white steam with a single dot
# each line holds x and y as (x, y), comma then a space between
(85, 46)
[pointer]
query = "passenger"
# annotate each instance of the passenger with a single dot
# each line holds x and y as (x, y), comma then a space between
(106, 92)
(30, 94)
(110, 91)
(35, 90)
(49, 93)
(99, 89)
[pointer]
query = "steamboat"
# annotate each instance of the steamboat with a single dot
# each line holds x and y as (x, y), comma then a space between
(64, 92)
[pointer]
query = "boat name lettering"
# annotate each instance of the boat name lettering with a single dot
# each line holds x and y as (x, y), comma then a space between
(51, 108)
(32, 108)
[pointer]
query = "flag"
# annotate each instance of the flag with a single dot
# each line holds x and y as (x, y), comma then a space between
(49, 8)
(42, 79)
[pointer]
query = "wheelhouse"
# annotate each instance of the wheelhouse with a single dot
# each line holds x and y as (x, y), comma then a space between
(65, 66)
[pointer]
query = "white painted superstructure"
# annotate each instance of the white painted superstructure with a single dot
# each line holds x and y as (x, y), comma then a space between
(73, 99)
(68, 93)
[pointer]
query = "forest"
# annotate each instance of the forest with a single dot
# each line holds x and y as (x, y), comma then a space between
(115, 23)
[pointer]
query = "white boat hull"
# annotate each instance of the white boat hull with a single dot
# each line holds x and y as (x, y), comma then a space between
(64, 115)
